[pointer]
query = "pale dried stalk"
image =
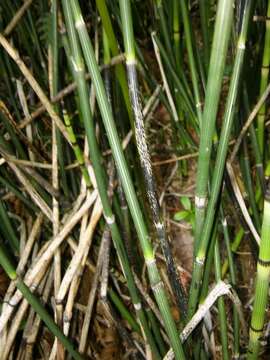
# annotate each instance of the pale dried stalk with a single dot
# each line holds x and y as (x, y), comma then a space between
(31, 333)
(29, 244)
(25, 162)
(13, 53)
(241, 203)
(77, 276)
(153, 100)
(32, 191)
(56, 223)
(76, 279)
(16, 322)
(73, 245)
(42, 181)
(16, 18)
(57, 255)
(82, 249)
(66, 91)
(74, 289)
(25, 109)
(44, 260)
(92, 295)
(165, 82)
(20, 134)
(105, 271)
(70, 302)
(66, 229)
(247, 124)
(220, 289)
(14, 329)
(21, 266)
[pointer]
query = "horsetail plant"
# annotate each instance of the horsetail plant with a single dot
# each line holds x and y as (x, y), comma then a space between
(221, 305)
(233, 282)
(264, 80)
(203, 134)
(76, 148)
(119, 70)
(144, 152)
(154, 277)
(78, 64)
(262, 284)
(213, 89)
(201, 246)
(192, 63)
(56, 155)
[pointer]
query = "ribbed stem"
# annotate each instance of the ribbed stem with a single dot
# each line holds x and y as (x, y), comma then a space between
(151, 186)
(191, 58)
(54, 88)
(120, 71)
(264, 80)
(204, 16)
(176, 35)
(144, 153)
(164, 28)
(68, 7)
(220, 163)
(236, 330)
(8, 230)
(76, 148)
(221, 307)
(183, 94)
(262, 285)
(213, 89)
(121, 165)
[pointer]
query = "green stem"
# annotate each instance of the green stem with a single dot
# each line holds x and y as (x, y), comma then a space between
(221, 307)
(213, 89)
(119, 69)
(236, 330)
(262, 284)
(144, 153)
(191, 58)
(264, 80)
(120, 161)
(69, 7)
(219, 165)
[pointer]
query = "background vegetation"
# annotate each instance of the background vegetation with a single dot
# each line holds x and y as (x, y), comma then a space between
(134, 165)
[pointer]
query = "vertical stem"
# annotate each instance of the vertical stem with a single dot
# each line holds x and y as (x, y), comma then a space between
(204, 16)
(219, 165)
(119, 69)
(262, 284)
(221, 306)
(191, 58)
(78, 63)
(213, 89)
(164, 28)
(264, 80)
(144, 152)
(120, 161)
(53, 85)
(236, 329)
(176, 35)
